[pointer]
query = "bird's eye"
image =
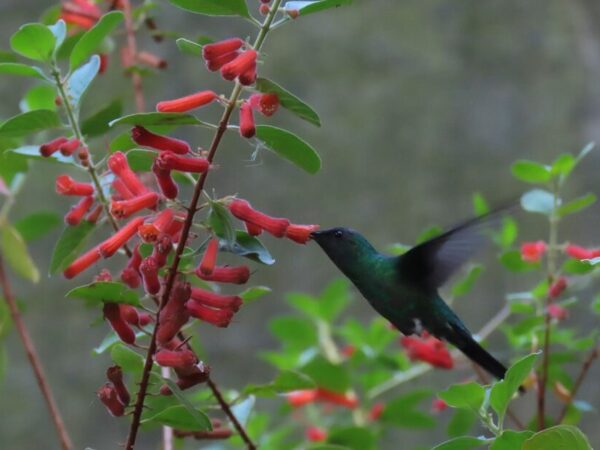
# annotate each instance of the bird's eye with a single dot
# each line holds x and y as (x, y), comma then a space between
(338, 234)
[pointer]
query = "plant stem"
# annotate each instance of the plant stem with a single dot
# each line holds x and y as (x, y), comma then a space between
(34, 360)
(192, 209)
(136, 78)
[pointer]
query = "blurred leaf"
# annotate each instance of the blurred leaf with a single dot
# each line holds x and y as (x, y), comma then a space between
(37, 224)
(201, 419)
(403, 412)
(29, 122)
(398, 249)
(461, 443)
(180, 418)
(111, 339)
(189, 47)
(512, 261)
(511, 440)
(93, 37)
(80, 81)
(59, 30)
(585, 151)
(560, 437)
(69, 245)
(309, 7)
(503, 390)
(294, 332)
(22, 70)
(219, 221)
(141, 159)
(157, 119)
(507, 234)
(577, 267)
(68, 45)
(105, 291)
(355, 438)
(130, 361)
(538, 200)
(33, 152)
(254, 293)
(464, 286)
(333, 377)
(34, 41)
(461, 423)
(214, 7)
(531, 172)
(289, 101)
(333, 300)
(480, 205)
(286, 381)
(305, 303)
(249, 247)
(243, 409)
(5, 318)
(290, 147)
(595, 305)
(577, 205)
(563, 165)
(41, 96)
(429, 233)
(466, 395)
(98, 123)
(16, 254)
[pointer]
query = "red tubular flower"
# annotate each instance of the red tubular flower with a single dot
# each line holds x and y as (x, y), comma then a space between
(247, 127)
(162, 248)
(198, 374)
(376, 411)
(180, 359)
(174, 230)
(149, 270)
(122, 209)
(214, 300)
(109, 397)
(114, 374)
(557, 312)
(532, 251)
(112, 313)
(248, 77)
(121, 190)
(218, 49)
(253, 230)
(145, 138)
(120, 238)
(428, 349)
(53, 146)
(347, 400)
(151, 60)
(315, 434)
(131, 273)
(438, 405)
(577, 252)
(557, 287)
(69, 147)
(217, 317)
(174, 315)
(301, 398)
(170, 161)
(83, 262)
(239, 65)
(81, 13)
(167, 185)
(117, 163)
(187, 103)
(65, 185)
(243, 211)
(300, 233)
(215, 64)
(95, 214)
(76, 213)
(209, 259)
(149, 232)
(267, 104)
(226, 274)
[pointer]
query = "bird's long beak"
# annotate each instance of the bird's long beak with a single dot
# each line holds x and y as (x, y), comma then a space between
(316, 234)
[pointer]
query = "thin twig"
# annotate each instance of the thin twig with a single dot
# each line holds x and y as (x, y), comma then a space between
(543, 378)
(34, 360)
(136, 78)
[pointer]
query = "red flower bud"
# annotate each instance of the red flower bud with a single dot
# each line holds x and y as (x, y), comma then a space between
(226, 274)
(300, 233)
(217, 49)
(243, 211)
(248, 77)
(122, 191)
(110, 246)
(253, 230)
(180, 359)
(151, 60)
(376, 411)
(214, 300)
(145, 138)
(149, 232)
(215, 64)
(83, 262)
(577, 252)
(247, 127)
(112, 313)
(264, 10)
(114, 374)
(51, 147)
(65, 185)
(267, 104)
(170, 161)
(189, 378)
(174, 315)
(301, 398)
(79, 210)
(103, 276)
(69, 147)
(149, 270)
(167, 185)
(218, 317)
(109, 397)
(315, 434)
(438, 405)
(532, 251)
(162, 248)
(428, 349)
(557, 312)
(95, 214)
(557, 287)
(187, 103)
(117, 163)
(122, 209)
(348, 400)
(209, 259)
(245, 61)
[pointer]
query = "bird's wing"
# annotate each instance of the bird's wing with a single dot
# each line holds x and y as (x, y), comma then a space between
(431, 263)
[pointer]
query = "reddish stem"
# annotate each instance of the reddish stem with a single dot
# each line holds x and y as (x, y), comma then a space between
(543, 378)
(136, 78)
(34, 360)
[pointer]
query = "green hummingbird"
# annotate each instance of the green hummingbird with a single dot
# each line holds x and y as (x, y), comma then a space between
(404, 289)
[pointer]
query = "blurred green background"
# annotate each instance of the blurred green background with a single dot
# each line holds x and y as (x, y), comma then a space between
(423, 102)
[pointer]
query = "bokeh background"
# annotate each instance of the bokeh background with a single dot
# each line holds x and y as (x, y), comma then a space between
(423, 102)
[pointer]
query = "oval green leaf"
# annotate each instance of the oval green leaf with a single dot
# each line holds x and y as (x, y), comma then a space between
(214, 7)
(29, 122)
(37, 224)
(92, 38)
(69, 245)
(461, 443)
(80, 80)
(105, 291)
(466, 395)
(157, 119)
(315, 6)
(577, 205)
(16, 254)
(22, 70)
(249, 247)
(34, 41)
(290, 147)
(289, 101)
(531, 172)
(503, 391)
(180, 418)
(561, 437)
(539, 201)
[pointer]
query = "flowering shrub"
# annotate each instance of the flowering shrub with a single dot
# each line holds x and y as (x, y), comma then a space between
(148, 190)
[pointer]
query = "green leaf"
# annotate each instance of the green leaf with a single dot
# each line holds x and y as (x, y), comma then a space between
(69, 245)
(34, 41)
(333, 300)
(16, 254)
(480, 205)
(286, 381)
(243, 409)
(201, 419)
(33, 152)
(503, 391)
(531, 172)
(315, 6)
(130, 361)
(59, 30)
(355, 438)
(460, 443)
(157, 119)
(585, 151)
(538, 200)
(189, 47)
(577, 205)
(41, 96)
(563, 165)
(22, 70)
(577, 267)
(180, 418)
(467, 395)
(214, 7)
(80, 80)
(140, 159)
(29, 122)
(254, 293)
(219, 221)
(511, 440)
(334, 377)
(429, 233)
(112, 339)
(464, 286)
(561, 437)
(461, 423)
(92, 38)
(290, 147)
(249, 247)
(37, 224)
(294, 332)
(512, 261)
(105, 291)
(98, 123)
(403, 411)
(507, 234)
(289, 101)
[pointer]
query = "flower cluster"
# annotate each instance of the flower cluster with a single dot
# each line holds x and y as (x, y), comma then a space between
(428, 349)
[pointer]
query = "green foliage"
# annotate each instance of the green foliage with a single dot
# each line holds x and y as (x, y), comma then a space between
(91, 39)
(289, 101)
(561, 437)
(38, 224)
(15, 251)
(157, 119)
(80, 80)
(248, 247)
(290, 147)
(130, 361)
(29, 122)
(468, 395)
(214, 7)
(69, 245)
(105, 291)
(34, 41)
(181, 418)
(286, 381)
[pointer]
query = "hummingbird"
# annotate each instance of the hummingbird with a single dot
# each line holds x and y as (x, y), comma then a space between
(404, 289)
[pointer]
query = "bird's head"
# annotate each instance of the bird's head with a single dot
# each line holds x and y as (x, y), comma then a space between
(343, 245)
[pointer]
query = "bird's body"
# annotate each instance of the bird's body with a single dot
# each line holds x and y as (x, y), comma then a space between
(404, 289)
